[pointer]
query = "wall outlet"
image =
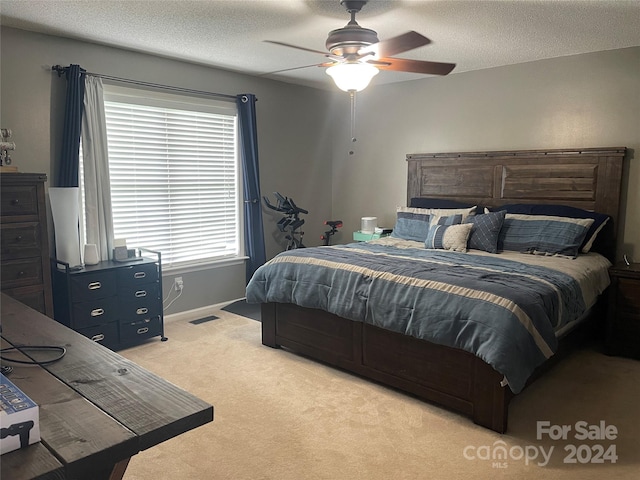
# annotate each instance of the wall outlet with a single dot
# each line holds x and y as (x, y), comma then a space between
(178, 283)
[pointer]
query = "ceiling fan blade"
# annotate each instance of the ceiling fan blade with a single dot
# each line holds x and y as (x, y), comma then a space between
(395, 45)
(297, 68)
(296, 47)
(414, 66)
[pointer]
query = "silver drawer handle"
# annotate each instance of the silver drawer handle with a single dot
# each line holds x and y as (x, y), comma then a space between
(141, 293)
(98, 337)
(139, 275)
(96, 312)
(142, 330)
(94, 285)
(142, 311)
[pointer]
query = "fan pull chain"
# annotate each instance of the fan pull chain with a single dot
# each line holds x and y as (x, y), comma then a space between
(352, 95)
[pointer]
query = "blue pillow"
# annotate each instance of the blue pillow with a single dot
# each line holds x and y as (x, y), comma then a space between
(543, 234)
(411, 226)
(447, 219)
(599, 219)
(486, 231)
(413, 223)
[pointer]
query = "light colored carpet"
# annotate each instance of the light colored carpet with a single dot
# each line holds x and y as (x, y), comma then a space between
(282, 416)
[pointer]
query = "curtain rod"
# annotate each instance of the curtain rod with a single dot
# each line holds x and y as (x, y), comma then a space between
(61, 70)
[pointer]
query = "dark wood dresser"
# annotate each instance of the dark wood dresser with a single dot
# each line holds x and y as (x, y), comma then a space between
(623, 318)
(26, 271)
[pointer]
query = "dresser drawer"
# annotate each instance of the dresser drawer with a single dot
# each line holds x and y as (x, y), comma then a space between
(138, 274)
(21, 240)
(628, 295)
(92, 286)
(106, 334)
(139, 308)
(20, 273)
(142, 294)
(32, 296)
(19, 200)
(133, 332)
(99, 311)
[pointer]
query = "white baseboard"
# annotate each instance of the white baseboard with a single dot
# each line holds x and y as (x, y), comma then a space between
(197, 313)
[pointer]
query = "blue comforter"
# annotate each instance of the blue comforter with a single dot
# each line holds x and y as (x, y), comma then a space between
(503, 311)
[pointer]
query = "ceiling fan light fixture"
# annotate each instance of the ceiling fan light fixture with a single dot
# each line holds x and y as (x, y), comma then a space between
(352, 76)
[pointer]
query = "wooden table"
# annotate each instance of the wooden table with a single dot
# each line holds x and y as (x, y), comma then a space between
(97, 409)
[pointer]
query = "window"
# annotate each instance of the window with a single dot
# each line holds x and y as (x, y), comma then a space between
(173, 167)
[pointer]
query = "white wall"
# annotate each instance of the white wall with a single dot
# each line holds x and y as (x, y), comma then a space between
(292, 131)
(590, 100)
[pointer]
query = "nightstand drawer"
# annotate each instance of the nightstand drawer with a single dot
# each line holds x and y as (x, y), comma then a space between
(20, 273)
(19, 200)
(628, 295)
(628, 326)
(85, 288)
(624, 338)
(21, 240)
(87, 314)
(629, 320)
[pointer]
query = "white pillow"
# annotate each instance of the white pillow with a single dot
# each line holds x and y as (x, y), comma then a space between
(448, 237)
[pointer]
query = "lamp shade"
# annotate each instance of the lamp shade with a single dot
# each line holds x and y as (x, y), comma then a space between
(352, 76)
(65, 214)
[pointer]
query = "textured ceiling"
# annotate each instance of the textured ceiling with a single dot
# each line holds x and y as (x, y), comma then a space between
(474, 34)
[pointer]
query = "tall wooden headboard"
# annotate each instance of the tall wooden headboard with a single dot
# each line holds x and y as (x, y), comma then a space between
(588, 178)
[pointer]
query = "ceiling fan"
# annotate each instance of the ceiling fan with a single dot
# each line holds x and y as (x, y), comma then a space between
(356, 54)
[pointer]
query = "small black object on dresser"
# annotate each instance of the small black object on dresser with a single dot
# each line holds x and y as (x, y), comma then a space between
(623, 318)
(117, 304)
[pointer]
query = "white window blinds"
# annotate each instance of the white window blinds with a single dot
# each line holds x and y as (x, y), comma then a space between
(174, 174)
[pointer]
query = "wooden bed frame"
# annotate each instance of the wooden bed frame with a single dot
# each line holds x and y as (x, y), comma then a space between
(585, 178)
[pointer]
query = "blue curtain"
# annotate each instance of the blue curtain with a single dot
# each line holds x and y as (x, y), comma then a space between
(253, 232)
(67, 174)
